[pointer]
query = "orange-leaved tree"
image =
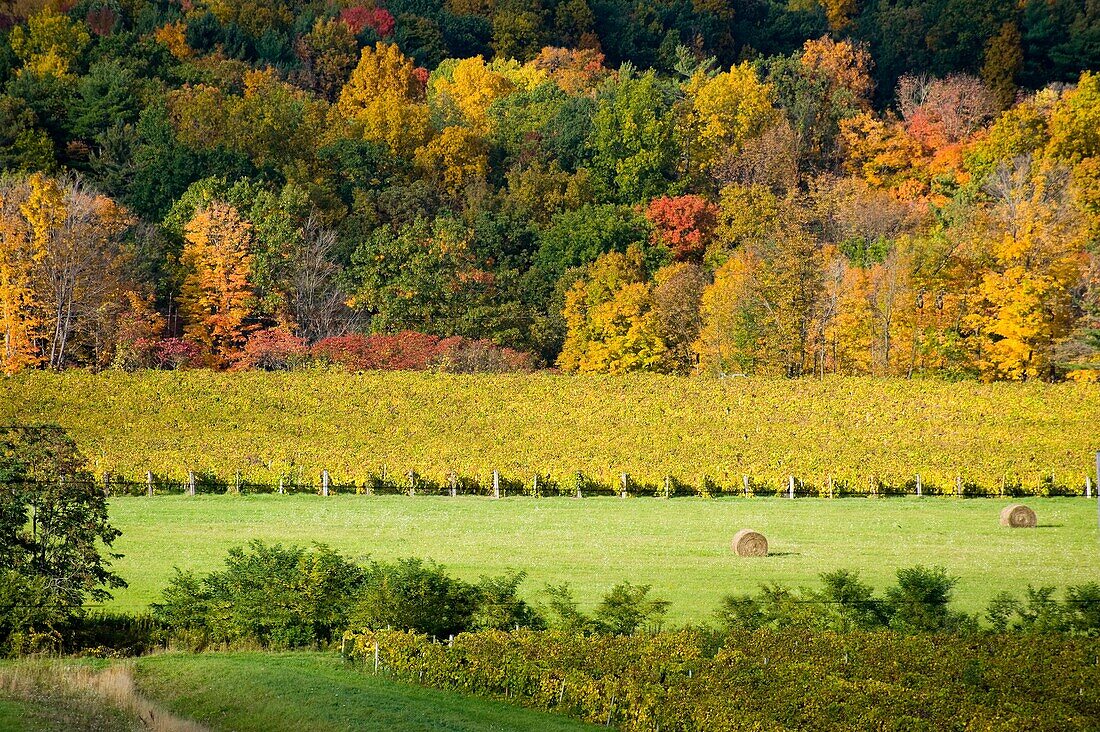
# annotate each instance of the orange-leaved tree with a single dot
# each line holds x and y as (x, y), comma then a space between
(216, 299)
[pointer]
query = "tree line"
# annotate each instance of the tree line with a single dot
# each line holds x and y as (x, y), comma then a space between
(605, 187)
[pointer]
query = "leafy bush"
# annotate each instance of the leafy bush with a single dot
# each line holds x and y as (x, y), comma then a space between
(274, 596)
(414, 595)
(918, 603)
(1041, 612)
(412, 351)
(272, 349)
(625, 609)
(285, 597)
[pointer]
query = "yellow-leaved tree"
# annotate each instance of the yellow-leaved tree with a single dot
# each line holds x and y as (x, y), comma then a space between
(50, 43)
(470, 91)
(613, 327)
(760, 314)
(456, 160)
(216, 299)
(383, 100)
(722, 112)
(62, 282)
(1031, 242)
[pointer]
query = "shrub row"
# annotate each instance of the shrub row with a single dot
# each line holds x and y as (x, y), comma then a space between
(760, 680)
(276, 349)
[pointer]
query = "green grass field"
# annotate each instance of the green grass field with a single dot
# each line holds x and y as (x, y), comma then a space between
(288, 692)
(265, 425)
(243, 692)
(680, 546)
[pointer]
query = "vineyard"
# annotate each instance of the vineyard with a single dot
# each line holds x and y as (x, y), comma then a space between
(760, 681)
(556, 434)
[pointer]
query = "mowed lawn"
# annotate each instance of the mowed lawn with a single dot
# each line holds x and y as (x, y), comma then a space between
(246, 692)
(679, 546)
(288, 692)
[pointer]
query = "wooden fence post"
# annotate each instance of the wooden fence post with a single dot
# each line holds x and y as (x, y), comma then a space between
(149, 482)
(1088, 487)
(496, 484)
(191, 482)
(324, 482)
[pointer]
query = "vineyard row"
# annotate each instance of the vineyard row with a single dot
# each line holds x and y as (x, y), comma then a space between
(580, 485)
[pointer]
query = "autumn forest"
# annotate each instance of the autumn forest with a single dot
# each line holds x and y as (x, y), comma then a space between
(868, 187)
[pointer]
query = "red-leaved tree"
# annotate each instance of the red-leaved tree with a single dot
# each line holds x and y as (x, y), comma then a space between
(684, 224)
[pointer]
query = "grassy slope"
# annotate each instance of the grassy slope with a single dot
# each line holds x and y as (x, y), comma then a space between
(258, 692)
(31, 700)
(679, 546)
(266, 424)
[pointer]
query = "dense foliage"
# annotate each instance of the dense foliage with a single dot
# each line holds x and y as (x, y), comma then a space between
(761, 680)
(812, 187)
(839, 436)
(286, 597)
(55, 537)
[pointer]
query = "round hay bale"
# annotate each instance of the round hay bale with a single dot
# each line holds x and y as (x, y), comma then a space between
(1018, 516)
(749, 543)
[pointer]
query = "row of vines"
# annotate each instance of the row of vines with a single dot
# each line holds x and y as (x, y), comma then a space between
(761, 680)
(838, 436)
(579, 485)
